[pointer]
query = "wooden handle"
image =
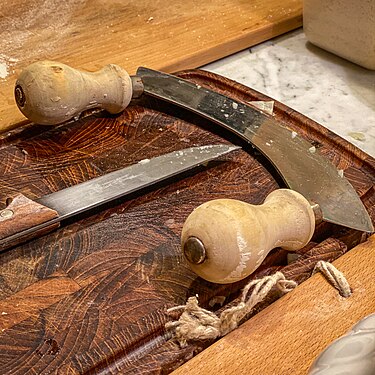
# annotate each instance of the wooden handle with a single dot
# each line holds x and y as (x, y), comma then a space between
(51, 93)
(225, 240)
(21, 214)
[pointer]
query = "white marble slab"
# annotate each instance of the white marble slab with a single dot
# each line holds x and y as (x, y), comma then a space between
(330, 90)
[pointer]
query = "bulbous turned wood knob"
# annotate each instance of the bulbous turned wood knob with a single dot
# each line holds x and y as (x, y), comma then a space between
(225, 240)
(50, 93)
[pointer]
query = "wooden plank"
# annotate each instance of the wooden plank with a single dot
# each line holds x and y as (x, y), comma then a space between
(165, 35)
(287, 336)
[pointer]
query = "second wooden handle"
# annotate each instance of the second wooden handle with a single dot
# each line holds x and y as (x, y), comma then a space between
(49, 92)
(225, 240)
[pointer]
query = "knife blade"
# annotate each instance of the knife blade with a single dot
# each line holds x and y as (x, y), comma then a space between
(51, 93)
(24, 218)
(298, 162)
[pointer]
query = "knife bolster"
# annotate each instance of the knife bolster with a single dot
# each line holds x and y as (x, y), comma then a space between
(23, 213)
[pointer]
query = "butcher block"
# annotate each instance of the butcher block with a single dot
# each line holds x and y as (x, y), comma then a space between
(92, 297)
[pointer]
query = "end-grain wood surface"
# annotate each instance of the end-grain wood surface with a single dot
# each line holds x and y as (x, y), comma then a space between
(91, 297)
(161, 34)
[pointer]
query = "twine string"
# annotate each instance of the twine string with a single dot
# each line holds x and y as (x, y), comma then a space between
(197, 323)
(334, 277)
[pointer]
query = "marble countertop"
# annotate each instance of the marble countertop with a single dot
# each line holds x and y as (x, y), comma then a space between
(330, 90)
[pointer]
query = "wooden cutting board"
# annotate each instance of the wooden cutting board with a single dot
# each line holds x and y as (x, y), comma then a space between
(160, 34)
(91, 297)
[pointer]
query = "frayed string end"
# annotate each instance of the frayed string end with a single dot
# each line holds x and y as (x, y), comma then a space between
(196, 323)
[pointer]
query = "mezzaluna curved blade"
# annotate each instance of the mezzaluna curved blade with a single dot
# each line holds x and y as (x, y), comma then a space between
(298, 162)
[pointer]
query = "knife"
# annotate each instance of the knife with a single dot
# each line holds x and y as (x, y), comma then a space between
(49, 92)
(24, 218)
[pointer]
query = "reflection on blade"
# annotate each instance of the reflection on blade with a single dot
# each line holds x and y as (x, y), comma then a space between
(298, 162)
(87, 195)
(95, 192)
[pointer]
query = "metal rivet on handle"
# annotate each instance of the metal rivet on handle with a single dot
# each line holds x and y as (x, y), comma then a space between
(20, 96)
(194, 250)
(6, 213)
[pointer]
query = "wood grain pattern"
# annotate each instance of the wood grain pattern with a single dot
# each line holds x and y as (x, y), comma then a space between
(286, 337)
(121, 267)
(30, 301)
(165, 35)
